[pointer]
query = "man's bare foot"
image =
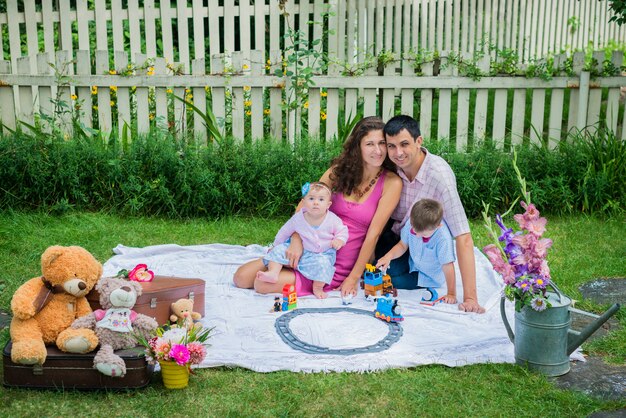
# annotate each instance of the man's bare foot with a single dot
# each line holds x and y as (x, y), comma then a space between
(318, 290)
(266, 276)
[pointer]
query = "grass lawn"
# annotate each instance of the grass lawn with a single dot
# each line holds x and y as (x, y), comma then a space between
(584, 248)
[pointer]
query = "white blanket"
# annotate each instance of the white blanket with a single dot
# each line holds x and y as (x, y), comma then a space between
(245, 335)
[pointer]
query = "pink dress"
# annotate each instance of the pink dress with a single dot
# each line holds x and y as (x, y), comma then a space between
(357, 217)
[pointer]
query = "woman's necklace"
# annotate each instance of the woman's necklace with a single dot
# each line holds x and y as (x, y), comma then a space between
(359, 193)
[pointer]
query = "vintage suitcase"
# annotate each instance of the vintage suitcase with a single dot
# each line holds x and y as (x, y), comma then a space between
(75, 371)
(159, 294)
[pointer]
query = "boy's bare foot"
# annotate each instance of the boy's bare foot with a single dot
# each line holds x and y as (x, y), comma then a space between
(266, 276)
(318, 290)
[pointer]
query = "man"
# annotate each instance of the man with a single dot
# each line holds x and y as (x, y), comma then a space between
(425, 175)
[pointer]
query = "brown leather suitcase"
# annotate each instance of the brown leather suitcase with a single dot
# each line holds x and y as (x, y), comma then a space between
(159, 294)
(75, 371)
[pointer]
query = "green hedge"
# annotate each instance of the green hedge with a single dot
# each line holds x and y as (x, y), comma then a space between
(160, 176)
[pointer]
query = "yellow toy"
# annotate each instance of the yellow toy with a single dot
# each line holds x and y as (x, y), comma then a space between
(45, 307)
(183, 314)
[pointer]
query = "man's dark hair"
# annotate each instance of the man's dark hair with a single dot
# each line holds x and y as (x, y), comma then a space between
(400, 122)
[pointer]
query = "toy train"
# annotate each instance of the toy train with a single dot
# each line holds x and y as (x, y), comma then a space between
(387, 309)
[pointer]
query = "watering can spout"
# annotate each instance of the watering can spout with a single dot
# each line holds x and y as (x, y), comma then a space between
(575, 338)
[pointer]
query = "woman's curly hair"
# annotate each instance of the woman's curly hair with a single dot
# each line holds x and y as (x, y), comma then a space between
(347, 168)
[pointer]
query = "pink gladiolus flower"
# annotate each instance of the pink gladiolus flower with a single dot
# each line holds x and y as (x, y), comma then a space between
(180, 354)
(541, 247)
(531, 211)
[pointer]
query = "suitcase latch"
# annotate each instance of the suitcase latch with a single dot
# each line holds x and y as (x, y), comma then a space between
(37, 370)
(153, 303)
(191, 295)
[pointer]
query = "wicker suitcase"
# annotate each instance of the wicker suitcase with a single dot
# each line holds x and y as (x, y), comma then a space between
(160, 293)
(75, 371)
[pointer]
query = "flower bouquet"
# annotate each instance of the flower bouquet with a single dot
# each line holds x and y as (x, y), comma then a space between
(520, 256)
(139, 273)
(176, 349)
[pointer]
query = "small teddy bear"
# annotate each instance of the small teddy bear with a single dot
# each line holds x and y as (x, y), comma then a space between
(45, 307)
(117, 325)
(183, 314)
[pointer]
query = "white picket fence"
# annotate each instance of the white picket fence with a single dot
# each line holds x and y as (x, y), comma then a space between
(224, 46)
(247, 95)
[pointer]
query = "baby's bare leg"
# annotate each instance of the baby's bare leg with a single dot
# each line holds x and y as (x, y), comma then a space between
(318, 289)
(271, 275)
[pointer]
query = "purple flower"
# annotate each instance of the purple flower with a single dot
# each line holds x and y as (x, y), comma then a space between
(524, 285)
(539, 304)
(180, 354)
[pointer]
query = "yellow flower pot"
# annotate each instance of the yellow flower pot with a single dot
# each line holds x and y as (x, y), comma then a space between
(174, 375)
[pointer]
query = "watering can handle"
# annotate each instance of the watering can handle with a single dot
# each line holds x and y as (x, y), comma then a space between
(556, 290)
(506, 321)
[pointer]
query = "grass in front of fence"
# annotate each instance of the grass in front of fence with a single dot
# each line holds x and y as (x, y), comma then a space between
(584, 248)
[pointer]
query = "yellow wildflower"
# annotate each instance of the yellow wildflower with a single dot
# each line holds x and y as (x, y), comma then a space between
(168, 91)
(189, 96)
(323, 115)
(306, 105)
(227, 93)
(245, 66)
(206, 88)
(150, 71)
(95, 107)
(266, 111)
(246, 88)
(269, 62)
(151, 116)
(112, 72)
(113, 88)
(187, 91)
(248, 113)
(112, 103)
(247, 103)
(94, 90)
(267, 67)
(74, 97)
(323, 94)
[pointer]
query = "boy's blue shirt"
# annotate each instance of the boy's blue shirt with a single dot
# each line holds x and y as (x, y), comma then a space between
(428, 257)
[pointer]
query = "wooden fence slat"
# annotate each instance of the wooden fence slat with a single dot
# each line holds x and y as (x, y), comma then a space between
(462, 119)
(426, 105)
(388, 96)
(519, 110)
(7, 101)
(275, 38)
(378, 30)
(82, 25)
(104, 95)
(32, 42)
(397, 30)
(15, 48)
(166, 30)
(134, 28)
(26, 113)
(583, 100)
(256, 96)
(432, 29)
(180, 108)
(455, 44)
(237, 103)
(612, 105)
(471, 23)
(102, 43)
(536, 118)
(407, 95)
(369, 97)
(47, 22)
(259, 27)
(65, 25)
(63, 64)
(150, 28)
(117, 26)
(578, 62)
(595, 95)
(314, 112)
(499, 117)
(245, 34)
(479, 25)
(218, 94)
(214, 31)
(142, 96)
(46, 106)
(161, 96)
(183, 33)
(229, 28)
(351, 32)
(276, 97)
(445, 106)
(83, 67)
(199, 101)
(406, 23)
(123, 95)
(556, 109)
(482, 98)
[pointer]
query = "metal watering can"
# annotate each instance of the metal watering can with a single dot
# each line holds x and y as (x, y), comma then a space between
(544, 339)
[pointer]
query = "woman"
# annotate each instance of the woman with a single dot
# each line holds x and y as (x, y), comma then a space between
(366, 190)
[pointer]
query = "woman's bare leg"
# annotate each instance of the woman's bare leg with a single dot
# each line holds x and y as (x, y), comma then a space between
(246, 274)
(286, 276)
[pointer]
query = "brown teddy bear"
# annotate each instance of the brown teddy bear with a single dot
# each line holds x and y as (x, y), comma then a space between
(44, 307)
(183, 314)
(117, 325)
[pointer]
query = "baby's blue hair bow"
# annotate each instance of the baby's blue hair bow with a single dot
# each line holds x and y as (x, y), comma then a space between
(305, 188)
